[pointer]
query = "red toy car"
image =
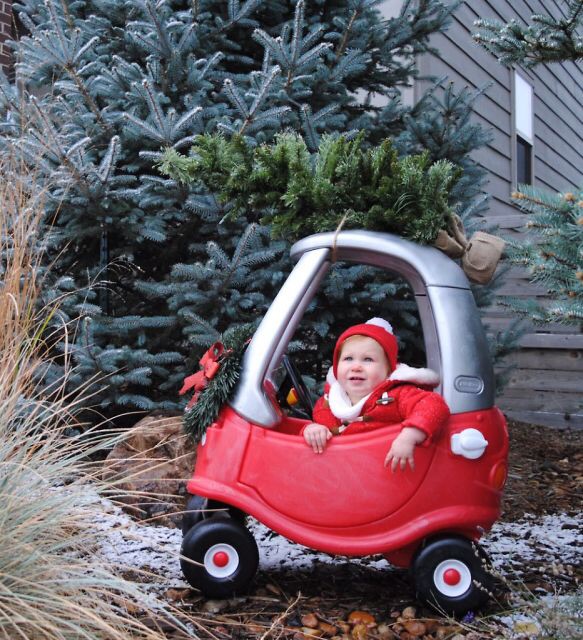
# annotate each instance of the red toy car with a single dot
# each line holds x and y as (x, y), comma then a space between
(345, 501)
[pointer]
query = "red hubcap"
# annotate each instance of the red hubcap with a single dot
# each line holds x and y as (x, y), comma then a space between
(220, 559)
(452, 577)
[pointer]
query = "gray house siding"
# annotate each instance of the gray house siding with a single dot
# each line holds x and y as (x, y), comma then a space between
(5, 33)
(547, 384)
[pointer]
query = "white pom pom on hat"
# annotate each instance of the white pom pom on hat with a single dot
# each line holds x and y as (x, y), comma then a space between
(381, 322)
(376, 328)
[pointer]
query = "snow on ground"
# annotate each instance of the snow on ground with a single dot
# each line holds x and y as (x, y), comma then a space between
(555, 616)
(134, 545)
(556, 539)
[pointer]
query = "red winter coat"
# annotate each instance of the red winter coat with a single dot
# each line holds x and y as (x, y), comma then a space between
(394, 401)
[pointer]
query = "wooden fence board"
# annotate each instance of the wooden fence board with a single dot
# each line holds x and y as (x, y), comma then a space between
(560, 360)
(555, 402)
(496, 323)
(557, 420)
(518, 289)
(543, 380)
(552, 341)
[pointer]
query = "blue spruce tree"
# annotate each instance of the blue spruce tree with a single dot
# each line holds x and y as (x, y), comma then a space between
(156, 270)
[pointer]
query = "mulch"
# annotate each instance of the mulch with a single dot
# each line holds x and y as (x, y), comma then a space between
(545, 471)
(352, 602)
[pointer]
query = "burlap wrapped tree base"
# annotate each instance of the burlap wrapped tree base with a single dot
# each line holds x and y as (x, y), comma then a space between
(479, 255)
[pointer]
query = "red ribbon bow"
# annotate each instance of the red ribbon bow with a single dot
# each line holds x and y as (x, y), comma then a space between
(199, 380)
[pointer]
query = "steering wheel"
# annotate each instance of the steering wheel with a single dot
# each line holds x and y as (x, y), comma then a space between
(299, 385)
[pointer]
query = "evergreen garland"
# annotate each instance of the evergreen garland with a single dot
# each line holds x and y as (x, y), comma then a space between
(299, 193)
(214, 396)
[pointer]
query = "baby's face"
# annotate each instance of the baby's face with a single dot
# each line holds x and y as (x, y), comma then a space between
(362, 366)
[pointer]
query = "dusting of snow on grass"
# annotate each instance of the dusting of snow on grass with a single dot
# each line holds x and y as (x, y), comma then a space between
(276, 552)
(552, 616)
(555, 540)
(136, 546)
(519, 626)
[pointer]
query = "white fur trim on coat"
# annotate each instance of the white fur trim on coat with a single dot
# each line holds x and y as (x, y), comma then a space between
(340, 404)
(405, 373)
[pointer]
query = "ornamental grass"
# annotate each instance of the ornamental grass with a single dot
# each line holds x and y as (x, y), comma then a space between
(52, 586)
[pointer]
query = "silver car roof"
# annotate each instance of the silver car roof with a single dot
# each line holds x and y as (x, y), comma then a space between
(455, 341)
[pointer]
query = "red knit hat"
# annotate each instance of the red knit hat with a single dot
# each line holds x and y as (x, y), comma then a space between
(375, 328)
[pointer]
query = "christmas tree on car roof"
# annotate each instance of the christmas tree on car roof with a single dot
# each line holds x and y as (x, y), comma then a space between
(156, 269)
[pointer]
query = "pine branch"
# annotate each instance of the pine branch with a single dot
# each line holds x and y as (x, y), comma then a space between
(161, 33)
(296, 44)
(67, 13)
(308, 122)
(159, 119)
(554, 258)
(56, 141)
(342, 44)
(109, 159)
(263, 91)
(235, 98)
(188, 118)
(545, 40)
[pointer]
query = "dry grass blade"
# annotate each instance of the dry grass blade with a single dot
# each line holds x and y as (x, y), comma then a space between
(50, 585)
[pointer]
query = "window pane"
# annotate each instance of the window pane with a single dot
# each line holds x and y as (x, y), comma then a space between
(522, 107)
(523, 161)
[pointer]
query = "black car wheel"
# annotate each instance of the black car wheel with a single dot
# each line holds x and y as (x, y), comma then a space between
(219, 557)
(450, 574)
(199, 508)
(193, 512)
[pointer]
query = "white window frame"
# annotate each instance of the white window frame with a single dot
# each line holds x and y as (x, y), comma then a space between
(523, 123)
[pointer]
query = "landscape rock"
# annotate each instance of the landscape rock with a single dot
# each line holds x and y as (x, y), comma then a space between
(150, 469)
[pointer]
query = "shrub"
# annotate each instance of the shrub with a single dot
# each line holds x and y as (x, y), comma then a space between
(50, 584)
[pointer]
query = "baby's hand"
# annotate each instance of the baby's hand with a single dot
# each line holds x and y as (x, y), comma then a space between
(401, 451)
(317, 435)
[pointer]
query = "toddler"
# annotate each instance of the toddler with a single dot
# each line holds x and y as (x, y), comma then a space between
(367, 389)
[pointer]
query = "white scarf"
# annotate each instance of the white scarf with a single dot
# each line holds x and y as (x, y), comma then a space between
(344, 410)
(340, 404)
